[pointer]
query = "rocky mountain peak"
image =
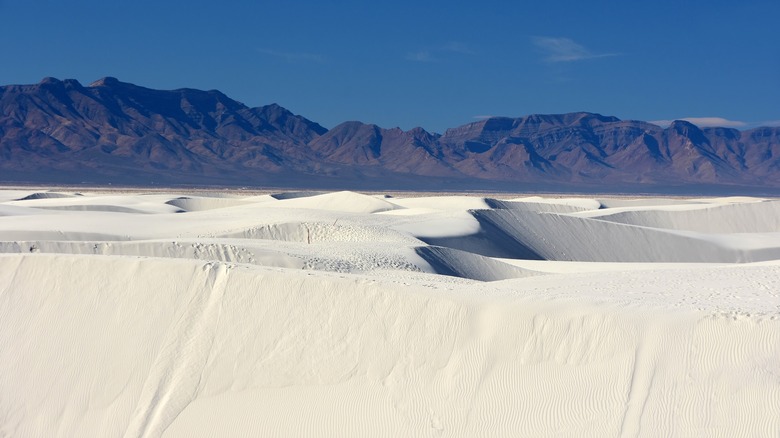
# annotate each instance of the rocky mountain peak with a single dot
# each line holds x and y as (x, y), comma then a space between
(113, 131)
(108, 81)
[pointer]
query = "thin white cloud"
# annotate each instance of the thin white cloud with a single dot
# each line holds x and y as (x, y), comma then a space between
(772, 123)
(560, 49)
(483, 117)
(292, 56)
(705, 122)
(420, 56)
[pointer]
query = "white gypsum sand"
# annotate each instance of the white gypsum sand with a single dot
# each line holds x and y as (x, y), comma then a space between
(344, 314)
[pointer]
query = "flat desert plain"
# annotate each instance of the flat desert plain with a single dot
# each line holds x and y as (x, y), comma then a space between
(347, 314)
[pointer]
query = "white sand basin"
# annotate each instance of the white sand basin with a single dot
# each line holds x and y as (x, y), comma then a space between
(338, 315)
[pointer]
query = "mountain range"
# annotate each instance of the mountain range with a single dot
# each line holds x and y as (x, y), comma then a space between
(113, 132)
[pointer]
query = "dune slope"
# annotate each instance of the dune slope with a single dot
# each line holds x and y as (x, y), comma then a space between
(150, 347)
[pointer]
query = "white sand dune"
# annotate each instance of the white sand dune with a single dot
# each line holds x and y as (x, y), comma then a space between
(442, 203)
(554, 205)
(567, 237)
(47, 195)
(315, 232)
(582, 203)
(753, 217)
(569, 267)
(650, 202)
(13, 194)
(187, 203)
(13, 210)
(122, 204)
(294, 195)
(343, 314)
(450, 261)
(339, 201)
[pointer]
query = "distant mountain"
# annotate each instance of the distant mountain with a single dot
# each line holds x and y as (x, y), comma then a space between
(119, 133)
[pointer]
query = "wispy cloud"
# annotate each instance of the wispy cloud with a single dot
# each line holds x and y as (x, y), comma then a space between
(420, 56)
(292, 56)
(560, 49)
(705, 122)
(483, 116)
(433, 54)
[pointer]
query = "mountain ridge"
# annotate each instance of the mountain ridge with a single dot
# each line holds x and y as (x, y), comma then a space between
(117, 132)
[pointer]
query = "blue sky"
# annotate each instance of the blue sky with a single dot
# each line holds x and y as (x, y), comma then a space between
(431, 64)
